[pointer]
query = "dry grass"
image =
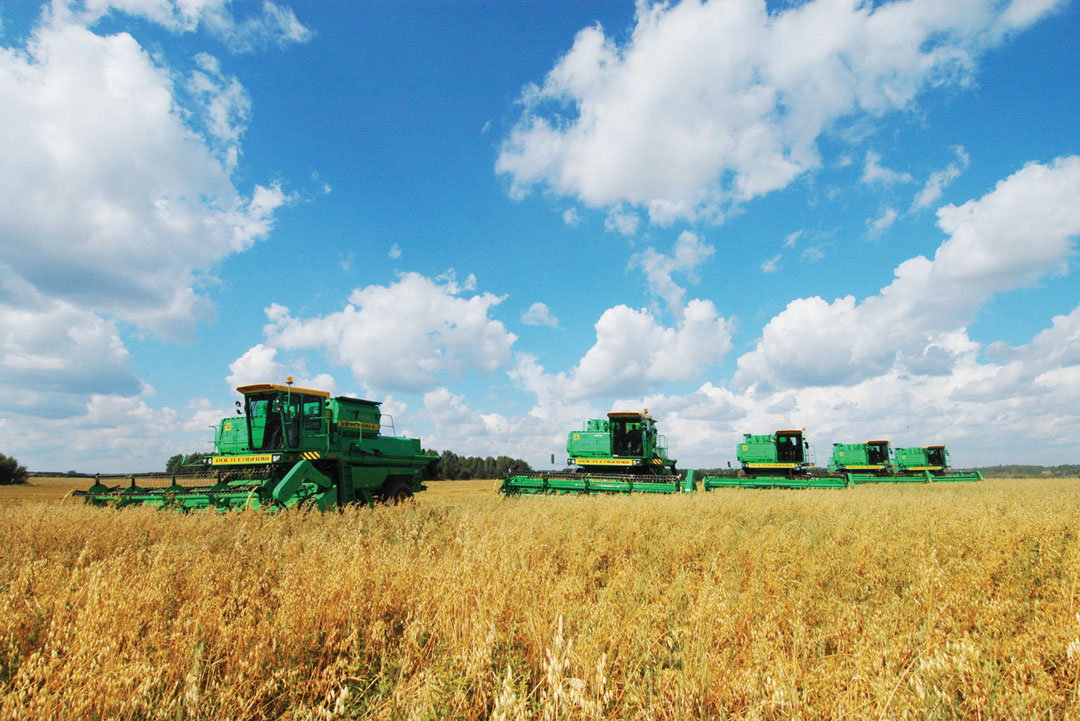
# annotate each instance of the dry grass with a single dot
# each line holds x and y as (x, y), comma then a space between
(942, 601)
(41, 489)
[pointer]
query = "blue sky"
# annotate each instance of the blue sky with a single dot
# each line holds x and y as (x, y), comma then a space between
(500, 219)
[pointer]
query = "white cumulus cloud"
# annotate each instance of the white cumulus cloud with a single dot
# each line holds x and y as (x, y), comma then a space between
(404, 336)
(276, 25)
(633, 350)
(539, 314)
(708, 104)
(116, 193)
(940, 179)
(689, 252)
(1018, 232)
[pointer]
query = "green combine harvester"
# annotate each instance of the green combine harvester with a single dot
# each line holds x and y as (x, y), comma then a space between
(870, 462)
(875, 462)
(288, 447)
(779, 460)
(934, 461)
(622, 453)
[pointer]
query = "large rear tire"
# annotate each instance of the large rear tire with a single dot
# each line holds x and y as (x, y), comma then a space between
(397, 492)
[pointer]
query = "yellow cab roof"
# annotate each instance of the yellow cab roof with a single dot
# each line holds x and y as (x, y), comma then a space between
(266, 387)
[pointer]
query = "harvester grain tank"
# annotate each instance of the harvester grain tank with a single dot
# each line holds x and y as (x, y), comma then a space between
(778, 460)
(622, 453)
(287, 447)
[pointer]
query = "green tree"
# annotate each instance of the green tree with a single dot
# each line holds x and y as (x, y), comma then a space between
(11, 472)
(451, 467)
(177, 463)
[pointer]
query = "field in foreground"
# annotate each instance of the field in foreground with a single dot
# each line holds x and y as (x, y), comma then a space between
(941, 601)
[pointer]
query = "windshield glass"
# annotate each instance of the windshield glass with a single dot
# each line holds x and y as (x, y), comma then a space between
(263, 411)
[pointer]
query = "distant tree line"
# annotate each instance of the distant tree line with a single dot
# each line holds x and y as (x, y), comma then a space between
(11, 472)
(1020, 471)
(449, 466)
(177, 463)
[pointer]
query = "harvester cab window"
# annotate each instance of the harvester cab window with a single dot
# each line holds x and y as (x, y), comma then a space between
(877, 453)
(264, 421)
(626, 439)
(935, 456)
(293, 417)
(789, 448)
(312, 413)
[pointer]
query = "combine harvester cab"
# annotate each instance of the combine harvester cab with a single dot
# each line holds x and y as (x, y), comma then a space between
(869, 462)
(933, 462)
(780, 460)
(622, 453)
(288, 447)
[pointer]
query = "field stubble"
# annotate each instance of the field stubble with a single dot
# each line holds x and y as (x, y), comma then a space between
(941, 601)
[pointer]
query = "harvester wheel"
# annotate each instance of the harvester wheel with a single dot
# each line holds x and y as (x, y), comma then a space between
(397, 493)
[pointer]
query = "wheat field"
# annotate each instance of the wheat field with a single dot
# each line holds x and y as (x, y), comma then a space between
(947, 601)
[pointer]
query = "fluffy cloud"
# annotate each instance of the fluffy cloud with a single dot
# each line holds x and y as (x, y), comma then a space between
(276, 25)
(709, 104)
(1018, 408)
(53, 351)
(455, 425)
(689, 252)
(1018, 232)
(874, 172)
(620, 220)
(940, 179)
(116, 196)
(539, 314)
(111, 434)
(633, 350)
(107, 198)
(405, 336)
(882, 223)
(259, 365)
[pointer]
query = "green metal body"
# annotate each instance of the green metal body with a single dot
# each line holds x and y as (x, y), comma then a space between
(875, 462)
(288, 447)
(934, 462)
(584, 483)
(712, 483)
(870, 457)
(775, 460)
(782, 454)
(622, 453)
(869, 462)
